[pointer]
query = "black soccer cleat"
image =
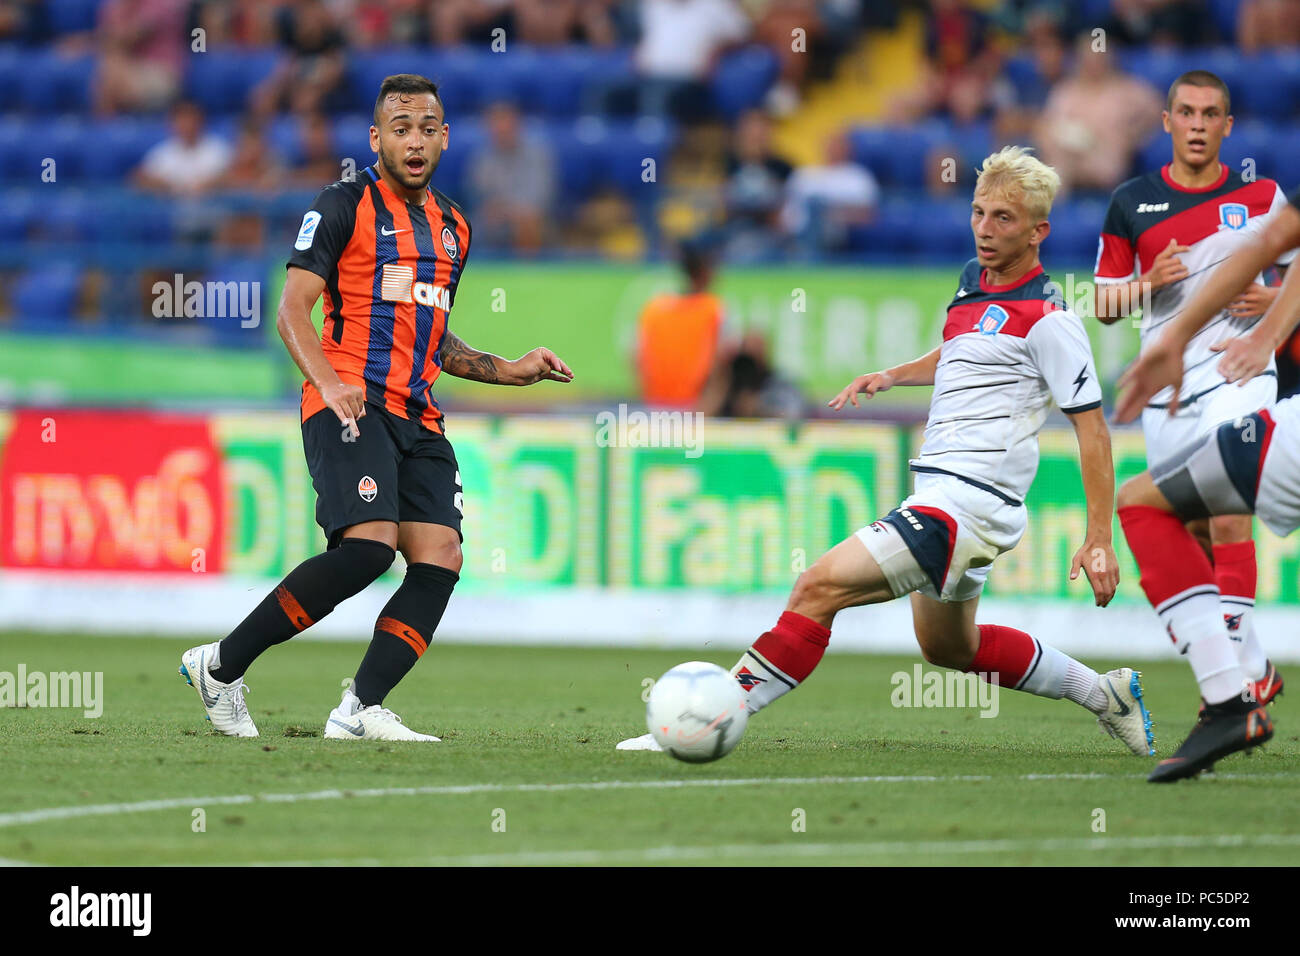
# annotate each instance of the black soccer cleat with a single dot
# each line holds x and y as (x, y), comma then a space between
(1221, 730)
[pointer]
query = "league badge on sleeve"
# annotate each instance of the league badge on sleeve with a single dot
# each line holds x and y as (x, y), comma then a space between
(1233, 215)
(307, 232)
(991, 322)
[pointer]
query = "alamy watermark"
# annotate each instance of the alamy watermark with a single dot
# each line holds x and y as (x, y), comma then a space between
(945, 689)
(84, 689)
(637, 428)
(179, 299)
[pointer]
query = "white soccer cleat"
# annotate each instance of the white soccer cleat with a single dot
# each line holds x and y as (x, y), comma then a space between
(1126, 717)
(644, 742)
(350, 721)
(223, 702)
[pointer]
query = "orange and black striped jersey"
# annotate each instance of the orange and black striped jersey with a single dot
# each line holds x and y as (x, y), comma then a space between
(391, 269)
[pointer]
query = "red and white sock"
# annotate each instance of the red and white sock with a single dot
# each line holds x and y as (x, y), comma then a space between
(1235, 572)
(780, 660)
(1012, 658)
(1179, 583)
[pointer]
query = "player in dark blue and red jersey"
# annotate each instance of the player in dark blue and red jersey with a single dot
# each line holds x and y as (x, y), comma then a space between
(386, 251)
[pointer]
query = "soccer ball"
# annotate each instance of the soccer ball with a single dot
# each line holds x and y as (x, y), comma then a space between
(697, 712)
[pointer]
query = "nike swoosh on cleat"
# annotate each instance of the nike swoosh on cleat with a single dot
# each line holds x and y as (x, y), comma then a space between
(354, 731)
(203, 683)
(1124, 708)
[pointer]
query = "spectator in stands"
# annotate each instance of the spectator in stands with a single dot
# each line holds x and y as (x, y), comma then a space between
(682, 337)
(320, 162)
(234, 22)
(1180, 23)
(1020, 97)
(824, 204)
(254, 164)
(556, 22)
(511, 183)
(755, 189)
(775, 23)
(1095, 120)
(961, 64)
(313, 64)
(681, 41)
(190, 162)
(1268, 24)
(23, 21)
(458, 21)
(142, 50)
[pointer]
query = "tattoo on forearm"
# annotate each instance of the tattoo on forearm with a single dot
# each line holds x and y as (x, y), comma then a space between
(464, 362)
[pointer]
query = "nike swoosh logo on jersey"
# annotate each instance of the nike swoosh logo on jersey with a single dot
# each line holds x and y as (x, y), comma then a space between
(357, 731)
(384, 230)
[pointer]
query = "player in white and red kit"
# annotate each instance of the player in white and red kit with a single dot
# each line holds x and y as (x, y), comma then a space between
(1170, 228)
(1247, 466)
(1010, 349)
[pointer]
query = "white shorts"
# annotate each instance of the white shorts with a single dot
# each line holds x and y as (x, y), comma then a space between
(1248, 466)
(943, 538)
(1167, 435)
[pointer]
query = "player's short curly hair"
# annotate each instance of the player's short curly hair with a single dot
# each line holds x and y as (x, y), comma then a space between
(405, 83)
(1017, 174)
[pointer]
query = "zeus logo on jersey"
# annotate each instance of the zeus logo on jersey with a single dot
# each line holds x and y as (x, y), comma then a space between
(397, 284)
(1153, 207)
(991, 322)
(1233, 215)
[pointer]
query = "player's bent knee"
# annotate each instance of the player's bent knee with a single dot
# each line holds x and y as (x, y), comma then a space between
(371, 558)
(1140, 490)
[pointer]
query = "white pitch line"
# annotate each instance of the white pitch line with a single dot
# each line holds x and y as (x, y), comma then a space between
(21, 817)
(674, 854)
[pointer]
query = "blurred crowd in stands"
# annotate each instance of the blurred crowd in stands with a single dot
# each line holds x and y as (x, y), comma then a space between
(616, 128)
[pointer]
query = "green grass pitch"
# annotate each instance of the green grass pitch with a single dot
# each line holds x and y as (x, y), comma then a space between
(527, 772)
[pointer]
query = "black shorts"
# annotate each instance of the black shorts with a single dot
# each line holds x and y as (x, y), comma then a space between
(397, 470)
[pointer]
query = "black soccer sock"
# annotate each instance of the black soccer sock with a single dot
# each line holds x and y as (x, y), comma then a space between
(403, 631)
(307, 594)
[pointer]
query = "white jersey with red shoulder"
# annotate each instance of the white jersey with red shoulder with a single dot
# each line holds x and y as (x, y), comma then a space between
(1008, 352)
(1213, 221)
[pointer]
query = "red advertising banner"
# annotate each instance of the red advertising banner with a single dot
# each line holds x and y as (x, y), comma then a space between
(111, 491)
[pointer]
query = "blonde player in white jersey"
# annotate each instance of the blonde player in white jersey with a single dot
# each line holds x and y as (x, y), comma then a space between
(1170, 228)
(1247, 466)
(1010, 348)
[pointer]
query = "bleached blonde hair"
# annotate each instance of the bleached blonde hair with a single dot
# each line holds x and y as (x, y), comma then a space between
(1014, 173)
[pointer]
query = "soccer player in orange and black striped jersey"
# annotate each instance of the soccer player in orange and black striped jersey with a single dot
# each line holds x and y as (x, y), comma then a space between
(387, 252)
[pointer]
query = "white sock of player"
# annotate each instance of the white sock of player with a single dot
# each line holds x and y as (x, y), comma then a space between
(1196, 623)
(1239, 614)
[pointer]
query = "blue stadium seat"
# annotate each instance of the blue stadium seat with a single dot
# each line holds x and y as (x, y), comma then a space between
(32, 142)
(72, 16)
(119, 146)
(11, 67)
(45, 297)
(1285, 167)
(18, 210)
(742, 79)
(1253, 140)
(896, 155)
(1268, 86)
(1224, 14)
(1071, 247)
(222, 79)
(52, 80)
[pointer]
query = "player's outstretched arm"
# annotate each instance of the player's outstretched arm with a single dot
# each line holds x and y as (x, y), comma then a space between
(536, 366)
(1163, 364)
(1096, 558)
(1248, 355)
(916, 372)
(293, 321)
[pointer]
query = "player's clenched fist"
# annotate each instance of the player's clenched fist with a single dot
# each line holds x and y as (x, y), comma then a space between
(348, 402)
(866, 385)
(1167, 267)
